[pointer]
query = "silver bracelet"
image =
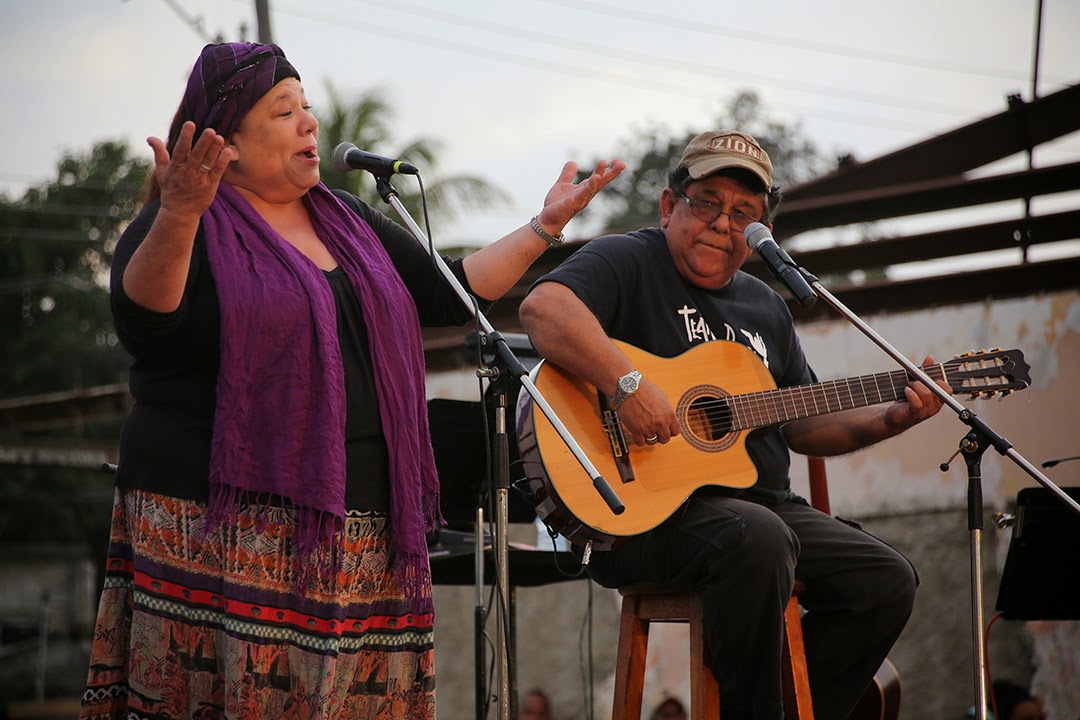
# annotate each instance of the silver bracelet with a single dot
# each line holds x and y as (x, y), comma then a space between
(552, 240)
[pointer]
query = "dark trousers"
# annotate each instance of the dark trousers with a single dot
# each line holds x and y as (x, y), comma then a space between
(744, 558)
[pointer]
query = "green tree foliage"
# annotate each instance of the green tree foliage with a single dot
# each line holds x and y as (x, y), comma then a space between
(365, 122)
(56, 243)
(632, 200)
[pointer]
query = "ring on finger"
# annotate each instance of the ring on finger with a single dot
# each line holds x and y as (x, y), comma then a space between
(651, 440)
(204, 167)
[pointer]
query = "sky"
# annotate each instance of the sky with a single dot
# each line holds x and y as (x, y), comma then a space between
(511, 89)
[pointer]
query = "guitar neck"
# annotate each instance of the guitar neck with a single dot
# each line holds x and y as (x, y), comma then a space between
(772, 407)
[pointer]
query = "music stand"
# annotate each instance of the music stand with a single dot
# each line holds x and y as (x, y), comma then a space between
(457, 437)
(1039, 580)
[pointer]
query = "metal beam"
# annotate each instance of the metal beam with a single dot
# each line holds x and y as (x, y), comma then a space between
(1021, 127)
(922, 197)
(65, 409)
(71, 456)
(999, 283)
(1007, 234)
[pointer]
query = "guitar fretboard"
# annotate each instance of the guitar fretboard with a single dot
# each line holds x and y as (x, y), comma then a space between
(772, 407)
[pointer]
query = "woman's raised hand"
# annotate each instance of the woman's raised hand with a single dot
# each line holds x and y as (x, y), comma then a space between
(189, 179)
(565, 199)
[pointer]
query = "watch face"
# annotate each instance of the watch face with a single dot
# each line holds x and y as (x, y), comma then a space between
(628, 383)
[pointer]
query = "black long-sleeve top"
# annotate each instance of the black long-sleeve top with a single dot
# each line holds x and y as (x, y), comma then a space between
(165, 441)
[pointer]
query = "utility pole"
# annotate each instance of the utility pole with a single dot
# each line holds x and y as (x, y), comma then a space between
(262, 12)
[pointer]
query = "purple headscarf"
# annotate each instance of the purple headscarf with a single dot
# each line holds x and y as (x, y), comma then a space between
(228, 79)
(279, 425)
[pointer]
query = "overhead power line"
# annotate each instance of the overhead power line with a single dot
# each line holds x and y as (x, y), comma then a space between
(534, 35)
(666, 88)
(195, 22)
(788, 43)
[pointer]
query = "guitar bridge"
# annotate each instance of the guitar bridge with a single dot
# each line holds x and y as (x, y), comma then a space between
(616, 440)
(613, 429)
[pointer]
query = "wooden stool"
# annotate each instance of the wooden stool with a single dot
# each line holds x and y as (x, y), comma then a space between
(644, 604)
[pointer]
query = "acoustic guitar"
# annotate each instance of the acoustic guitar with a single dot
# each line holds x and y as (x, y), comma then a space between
(714, 418)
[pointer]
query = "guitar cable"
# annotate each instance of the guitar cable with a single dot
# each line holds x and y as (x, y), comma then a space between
(586, 663)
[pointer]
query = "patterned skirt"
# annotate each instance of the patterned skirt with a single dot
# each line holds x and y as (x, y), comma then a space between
(192, 625)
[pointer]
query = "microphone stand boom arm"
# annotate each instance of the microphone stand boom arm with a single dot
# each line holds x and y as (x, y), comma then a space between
(1003, 446)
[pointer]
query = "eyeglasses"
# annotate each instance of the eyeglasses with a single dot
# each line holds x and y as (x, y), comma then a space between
(709, 212)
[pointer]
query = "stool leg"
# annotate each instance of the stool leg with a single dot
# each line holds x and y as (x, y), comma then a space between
(704, 690)
(630, 668)
(797, 705)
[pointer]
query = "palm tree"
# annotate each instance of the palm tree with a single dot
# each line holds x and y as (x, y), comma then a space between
(365, 122)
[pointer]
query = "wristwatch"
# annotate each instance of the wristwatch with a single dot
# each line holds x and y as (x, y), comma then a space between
(627, 386)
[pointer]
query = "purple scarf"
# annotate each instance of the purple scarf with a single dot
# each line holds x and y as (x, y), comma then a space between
(279, 427)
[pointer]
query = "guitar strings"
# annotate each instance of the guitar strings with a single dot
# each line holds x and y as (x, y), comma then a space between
(779, 405)
(758, 409)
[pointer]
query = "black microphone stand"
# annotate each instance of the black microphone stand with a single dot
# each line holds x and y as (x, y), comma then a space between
(506, 365)
(973, 445)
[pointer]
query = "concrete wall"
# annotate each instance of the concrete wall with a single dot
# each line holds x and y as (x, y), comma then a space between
(898, 493)
(55, 585)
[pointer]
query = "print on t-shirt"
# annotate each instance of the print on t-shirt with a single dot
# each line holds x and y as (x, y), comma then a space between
(697, 330)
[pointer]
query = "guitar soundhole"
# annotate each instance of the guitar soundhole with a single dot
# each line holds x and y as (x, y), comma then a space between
(706, 419)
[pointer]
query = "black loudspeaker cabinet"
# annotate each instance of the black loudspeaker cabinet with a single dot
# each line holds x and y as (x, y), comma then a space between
(1041, 579)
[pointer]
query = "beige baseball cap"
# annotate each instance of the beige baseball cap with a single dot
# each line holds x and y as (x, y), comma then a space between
(719, 149)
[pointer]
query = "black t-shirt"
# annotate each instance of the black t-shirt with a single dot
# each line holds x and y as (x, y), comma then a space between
(631, 284)
(165, 441)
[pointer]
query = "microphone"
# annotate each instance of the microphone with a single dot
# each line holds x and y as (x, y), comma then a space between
(349, 157)
(779, 263)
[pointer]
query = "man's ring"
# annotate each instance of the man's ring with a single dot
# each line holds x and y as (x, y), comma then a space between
(204, 167)
(651, 440)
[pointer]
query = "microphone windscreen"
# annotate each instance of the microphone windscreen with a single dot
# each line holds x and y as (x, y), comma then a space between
(339, 156)
(755, 234)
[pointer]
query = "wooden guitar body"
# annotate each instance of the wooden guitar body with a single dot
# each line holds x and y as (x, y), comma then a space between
(881, 701)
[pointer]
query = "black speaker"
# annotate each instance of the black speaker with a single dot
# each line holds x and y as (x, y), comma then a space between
(1041, 579)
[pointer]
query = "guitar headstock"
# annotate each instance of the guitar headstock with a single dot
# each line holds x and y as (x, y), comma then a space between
(988, 373)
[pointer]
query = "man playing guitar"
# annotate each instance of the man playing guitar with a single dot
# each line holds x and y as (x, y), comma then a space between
(668, 290)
